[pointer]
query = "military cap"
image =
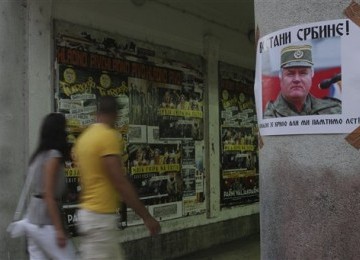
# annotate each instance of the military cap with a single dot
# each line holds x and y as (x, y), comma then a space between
(296, 56)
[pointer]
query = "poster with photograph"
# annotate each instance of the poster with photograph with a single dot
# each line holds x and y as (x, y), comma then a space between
(194, 191)
(138, 89)
(180, 114)
(237, 103)
(155, 170)
(193, 178)
(306, 79)
(239, 145)
(238, 132)
(137, 134)
(239, 188)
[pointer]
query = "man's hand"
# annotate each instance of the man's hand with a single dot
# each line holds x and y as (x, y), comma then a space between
(115, 170)
(152, 225)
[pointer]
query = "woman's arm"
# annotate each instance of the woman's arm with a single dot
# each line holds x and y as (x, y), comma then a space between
(51, 170)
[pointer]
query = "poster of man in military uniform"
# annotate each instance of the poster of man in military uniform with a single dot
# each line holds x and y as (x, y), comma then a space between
(296, 79)
(307, 79)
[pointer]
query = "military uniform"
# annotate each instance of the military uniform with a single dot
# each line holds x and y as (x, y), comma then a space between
(312, 106)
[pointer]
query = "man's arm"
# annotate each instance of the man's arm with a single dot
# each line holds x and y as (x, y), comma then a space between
(115, 169)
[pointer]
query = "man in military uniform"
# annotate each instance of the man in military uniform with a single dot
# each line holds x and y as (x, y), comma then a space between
(296, 74)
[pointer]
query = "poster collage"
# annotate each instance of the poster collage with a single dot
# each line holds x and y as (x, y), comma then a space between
(239, 153)
(160, 117)
(160, 94)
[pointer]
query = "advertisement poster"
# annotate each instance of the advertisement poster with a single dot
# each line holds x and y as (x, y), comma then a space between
(160, 95)
(240, 188)
(306, 79)
(155, 171)
(71, 198)
(180, 113)
(194, 191)
(239, 164)
(193, 178)
(77, 93)
(188, 152)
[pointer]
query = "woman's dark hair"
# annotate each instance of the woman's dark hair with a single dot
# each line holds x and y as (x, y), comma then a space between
(52, 136)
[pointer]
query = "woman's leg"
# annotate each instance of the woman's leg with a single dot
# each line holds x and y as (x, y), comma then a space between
(35, 252)
(44, 238)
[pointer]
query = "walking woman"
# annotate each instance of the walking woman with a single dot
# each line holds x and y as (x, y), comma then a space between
(46, 236)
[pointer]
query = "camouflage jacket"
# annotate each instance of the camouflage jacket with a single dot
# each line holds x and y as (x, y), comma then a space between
(313, 106)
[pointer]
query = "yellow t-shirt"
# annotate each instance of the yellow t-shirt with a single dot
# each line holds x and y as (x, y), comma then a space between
(97, 192)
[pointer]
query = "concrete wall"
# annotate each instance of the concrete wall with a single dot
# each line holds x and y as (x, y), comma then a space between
(13, 126)
(175, 244)
(26, 94)
(309, 183)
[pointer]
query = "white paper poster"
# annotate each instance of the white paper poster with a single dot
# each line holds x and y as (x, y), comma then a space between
(307, 79)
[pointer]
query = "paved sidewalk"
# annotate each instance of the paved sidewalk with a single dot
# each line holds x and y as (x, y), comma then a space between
(242, 249)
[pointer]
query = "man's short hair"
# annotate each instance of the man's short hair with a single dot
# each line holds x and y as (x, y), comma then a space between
(296, 56)
(107, 105)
